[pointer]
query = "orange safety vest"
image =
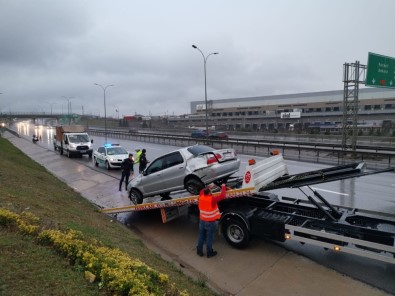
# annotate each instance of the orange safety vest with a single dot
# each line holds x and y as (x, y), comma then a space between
(208, 212)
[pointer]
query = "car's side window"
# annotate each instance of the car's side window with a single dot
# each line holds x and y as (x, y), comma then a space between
(174, 159)
(101, 150)
(156, 166)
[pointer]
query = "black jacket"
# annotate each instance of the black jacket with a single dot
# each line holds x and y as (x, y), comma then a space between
(127, 165)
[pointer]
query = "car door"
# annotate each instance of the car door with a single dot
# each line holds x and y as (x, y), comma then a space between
(101, 154)
(163, 173)
(174, 171)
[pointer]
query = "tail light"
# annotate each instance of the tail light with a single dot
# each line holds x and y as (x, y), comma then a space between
(214, 159)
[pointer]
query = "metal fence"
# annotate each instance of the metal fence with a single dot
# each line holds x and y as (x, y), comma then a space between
(326, 153)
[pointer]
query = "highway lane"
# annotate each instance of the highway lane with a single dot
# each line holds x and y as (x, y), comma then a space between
(373, 192)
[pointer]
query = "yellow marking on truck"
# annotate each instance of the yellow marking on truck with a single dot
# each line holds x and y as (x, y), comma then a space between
(233, 193)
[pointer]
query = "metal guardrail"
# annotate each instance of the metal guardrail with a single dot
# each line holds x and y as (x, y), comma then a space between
(319, 153)
(11, 131)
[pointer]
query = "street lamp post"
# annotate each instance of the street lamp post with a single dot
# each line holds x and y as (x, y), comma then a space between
(68, 107)
(105, 112)
(205, 82)
(50, 105)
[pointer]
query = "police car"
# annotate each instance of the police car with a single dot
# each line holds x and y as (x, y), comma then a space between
(110, 155)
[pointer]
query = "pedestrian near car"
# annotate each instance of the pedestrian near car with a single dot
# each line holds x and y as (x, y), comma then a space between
(143, 161)
(127, 170)
(137, 158)
(209, 217)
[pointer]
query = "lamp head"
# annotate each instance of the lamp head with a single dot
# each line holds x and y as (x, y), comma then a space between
(194, 46)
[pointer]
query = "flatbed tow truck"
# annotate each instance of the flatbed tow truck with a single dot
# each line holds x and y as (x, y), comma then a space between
(250, 210)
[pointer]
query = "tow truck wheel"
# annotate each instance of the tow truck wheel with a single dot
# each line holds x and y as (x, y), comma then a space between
(108, 166)
(135, 196)
(235, 233)
(194, 185)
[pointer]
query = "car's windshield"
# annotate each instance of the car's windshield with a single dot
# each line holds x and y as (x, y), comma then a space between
(197, 149)
(78, 138)
(116, 150)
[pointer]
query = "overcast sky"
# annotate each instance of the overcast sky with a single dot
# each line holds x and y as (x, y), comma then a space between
(50, 49)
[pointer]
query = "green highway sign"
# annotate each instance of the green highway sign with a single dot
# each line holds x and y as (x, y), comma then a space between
(381, 71)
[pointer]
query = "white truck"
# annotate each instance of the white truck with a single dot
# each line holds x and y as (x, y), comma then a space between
(72, 140)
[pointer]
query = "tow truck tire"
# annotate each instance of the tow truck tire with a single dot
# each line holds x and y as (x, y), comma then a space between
(194, 185)
(108, 166)
(135, 196)
(235, 233)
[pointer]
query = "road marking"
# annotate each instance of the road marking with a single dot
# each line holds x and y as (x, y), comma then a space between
(319, 189)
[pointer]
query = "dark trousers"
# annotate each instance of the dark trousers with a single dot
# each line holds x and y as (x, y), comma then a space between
(206, 234)
(142, 167)
(125, 175)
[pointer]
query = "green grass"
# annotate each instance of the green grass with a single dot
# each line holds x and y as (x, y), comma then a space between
(27, 268)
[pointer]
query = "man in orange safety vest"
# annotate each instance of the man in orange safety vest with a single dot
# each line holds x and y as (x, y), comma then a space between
(209, 217)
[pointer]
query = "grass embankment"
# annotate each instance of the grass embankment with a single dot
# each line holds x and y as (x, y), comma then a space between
(30, 268)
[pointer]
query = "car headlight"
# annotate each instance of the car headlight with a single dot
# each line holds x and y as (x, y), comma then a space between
(71, 145)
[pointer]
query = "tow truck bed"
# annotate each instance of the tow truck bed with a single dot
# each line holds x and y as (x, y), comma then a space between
(252, 211)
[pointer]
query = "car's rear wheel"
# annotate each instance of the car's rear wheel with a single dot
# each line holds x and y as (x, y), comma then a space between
(135, 196)
(194, 185)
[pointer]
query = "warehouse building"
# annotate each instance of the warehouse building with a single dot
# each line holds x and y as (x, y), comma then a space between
(292, 112)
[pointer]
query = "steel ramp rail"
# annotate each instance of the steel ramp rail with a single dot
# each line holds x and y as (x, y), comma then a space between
(321, 176)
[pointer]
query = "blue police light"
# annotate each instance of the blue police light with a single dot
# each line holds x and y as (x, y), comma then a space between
(109, 145)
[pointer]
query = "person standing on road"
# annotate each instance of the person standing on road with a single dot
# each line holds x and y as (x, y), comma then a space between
(209, 216)
(143, 161)
(127, 169)
(137, 158)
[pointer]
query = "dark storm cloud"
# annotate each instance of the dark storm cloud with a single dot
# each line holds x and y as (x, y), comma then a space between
(50, 49)
(35, 32)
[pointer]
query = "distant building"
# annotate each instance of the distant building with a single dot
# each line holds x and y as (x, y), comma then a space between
(291, 111)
